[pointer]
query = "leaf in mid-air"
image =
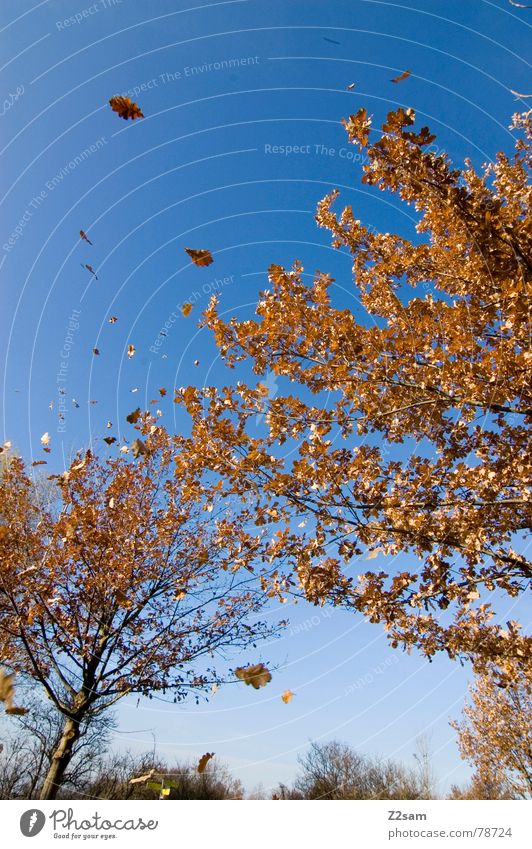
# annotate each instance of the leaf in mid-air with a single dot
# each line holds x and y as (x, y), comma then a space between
(257, 675)
(125, 107)
(204, 760)
(133, 417)
(138, 447)
(401, 77)
(142, 779)
(201, 257)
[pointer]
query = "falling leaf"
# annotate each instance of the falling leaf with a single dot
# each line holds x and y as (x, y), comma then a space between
(7, 693)
(518, 95)
(96, 352)
(200, 257)
(130, 351)
(186, 309)
(256, 675)
(138, 447)
(196, 362)
(165, 792)
(162, 391)
(51, 405)
(133, 417)
(330, 40)
(39, 463)
(113, 319)
(135, 389)
(204, 760)
(91, 269)
(92, 401)
(75, 403)
(287, 696)
(124, 449)
(45, 438)
(350, 87)
(401, 77)
(519, 5)
(214, 689)
(84, 236)
(109, 424)
(109, 439)
(125, 107)
(142, 778)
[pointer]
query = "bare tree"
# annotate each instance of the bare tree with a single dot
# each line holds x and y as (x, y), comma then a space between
(31, 740)
(334, 770)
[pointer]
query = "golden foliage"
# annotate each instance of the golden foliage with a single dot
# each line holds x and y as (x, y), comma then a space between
(422, 448)
(495, 735)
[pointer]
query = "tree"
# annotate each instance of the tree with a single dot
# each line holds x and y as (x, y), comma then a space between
(29, 742)
(408, 436)
(334, 770)
(495, 736)
(118, 587)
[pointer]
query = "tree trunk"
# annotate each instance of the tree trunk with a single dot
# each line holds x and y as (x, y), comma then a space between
(60, 759)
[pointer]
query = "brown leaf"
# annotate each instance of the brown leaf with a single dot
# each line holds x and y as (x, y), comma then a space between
(133, 417)
(125, 107)
(401, 77)
(84, 236)
(130, 351)
(204, 760)
(109, 439)
(162, 391)
(256, 675)
(7, 693)
(287, 696)
(186, 309)
(138, 447)
(201, 257)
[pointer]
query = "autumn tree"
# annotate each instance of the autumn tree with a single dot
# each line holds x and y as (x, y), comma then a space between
(495, 735)
(402, 432)
(118, 586)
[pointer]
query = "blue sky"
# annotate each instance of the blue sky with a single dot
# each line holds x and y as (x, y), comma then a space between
(226, 88)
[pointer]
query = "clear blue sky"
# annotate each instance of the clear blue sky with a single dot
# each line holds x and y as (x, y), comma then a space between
(201, 171)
